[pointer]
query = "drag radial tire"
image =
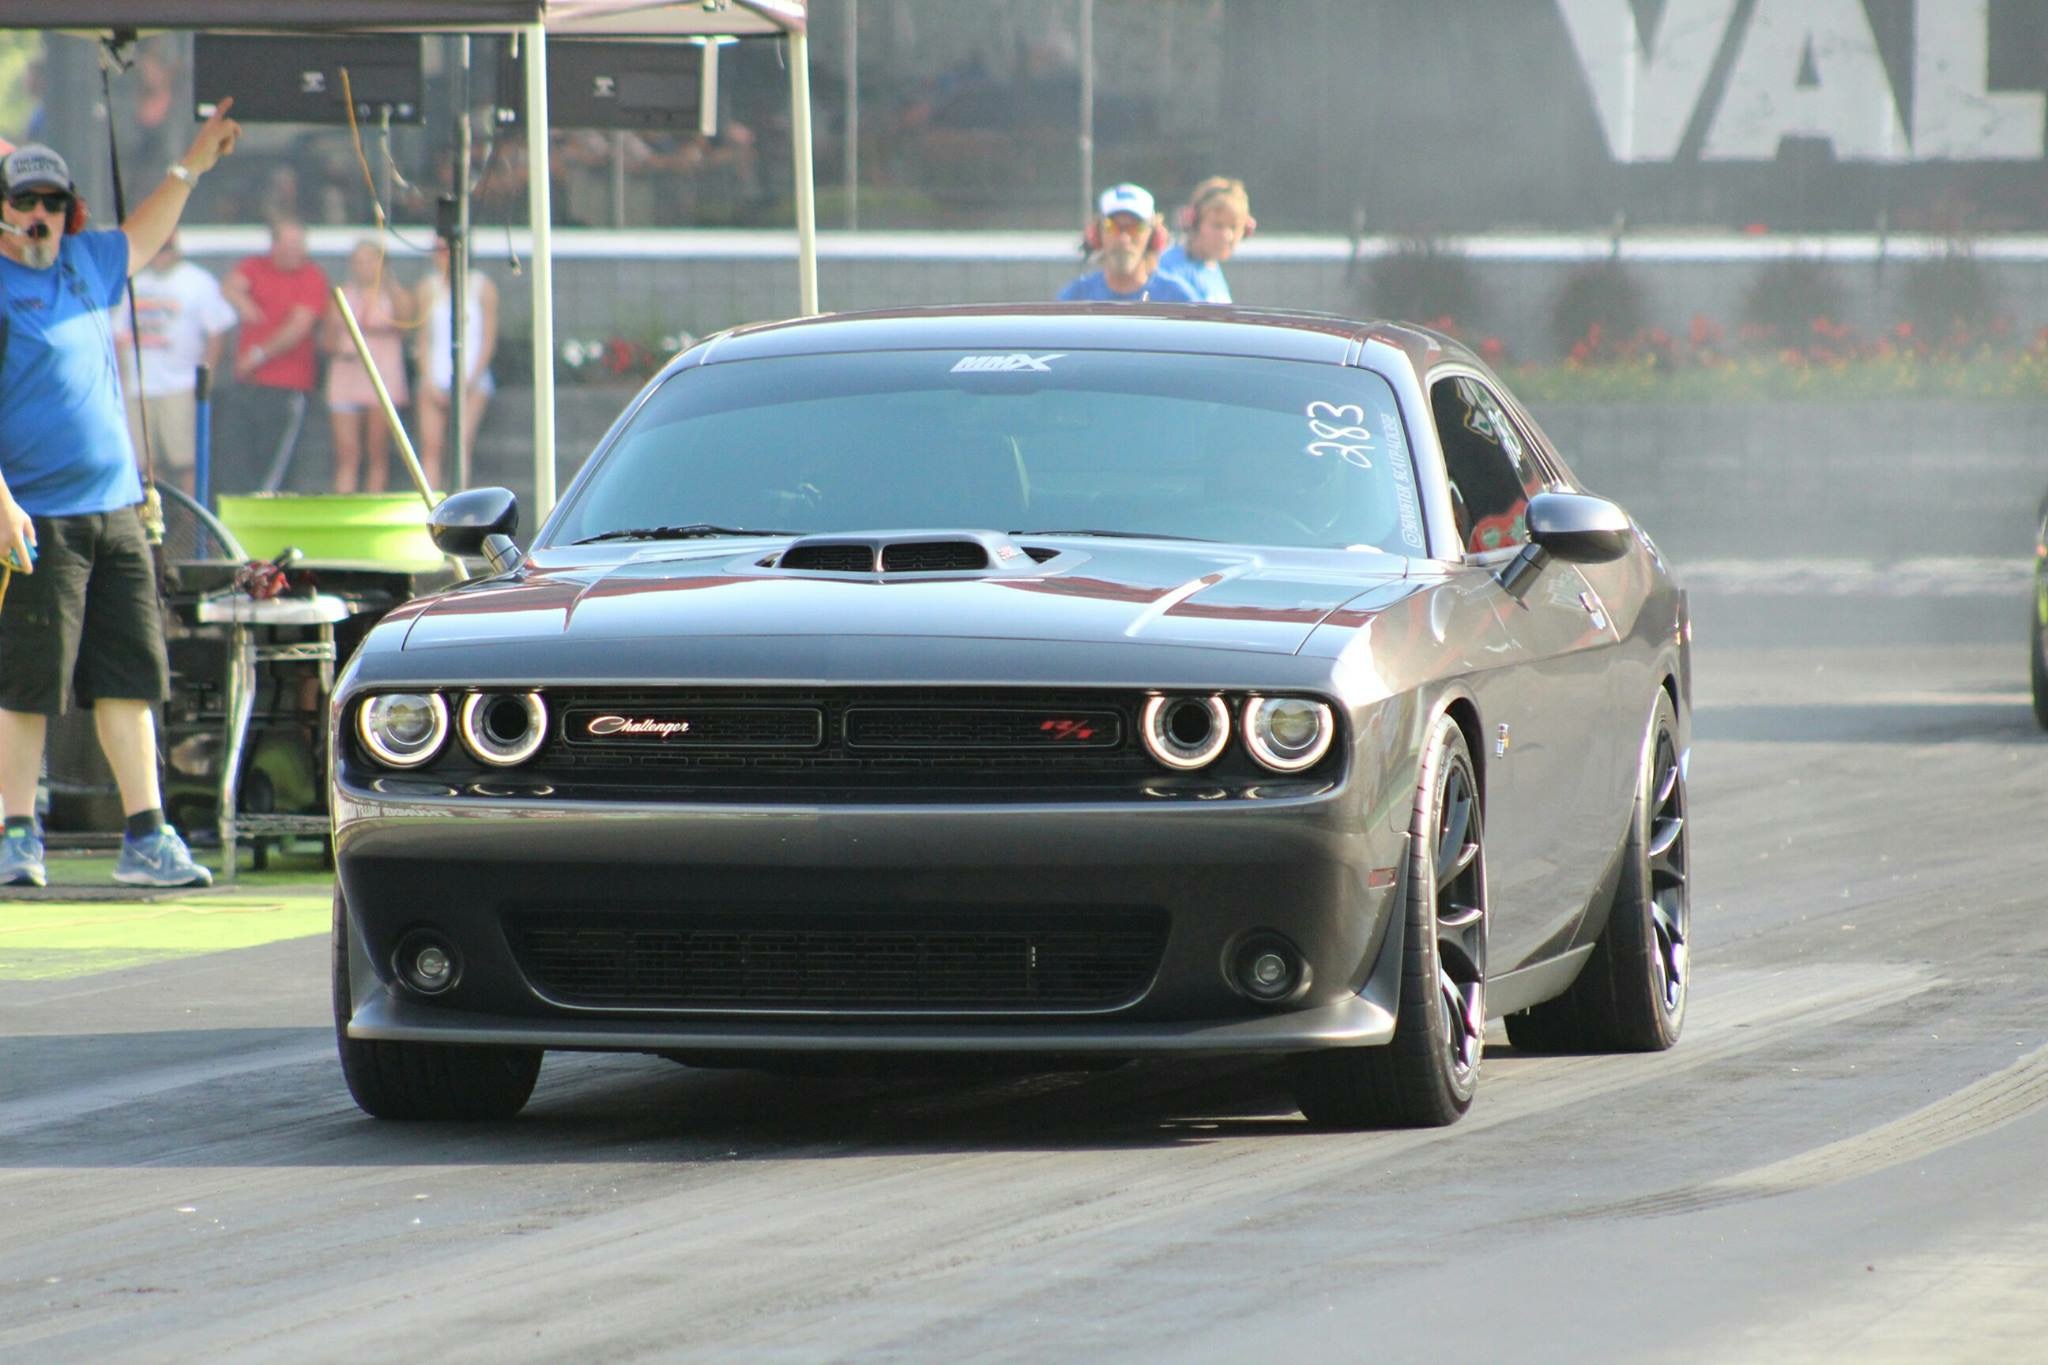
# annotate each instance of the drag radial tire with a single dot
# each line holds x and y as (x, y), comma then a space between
(1631, 995)
(2038, 648)
(425, 1080)
(1426, 1076)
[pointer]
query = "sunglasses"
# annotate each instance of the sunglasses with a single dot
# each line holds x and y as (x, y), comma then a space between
(56, 201)
(1124, 225)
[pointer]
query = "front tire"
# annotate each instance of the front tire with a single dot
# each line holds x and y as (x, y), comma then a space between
(1427, 1075)
(1631, 994)
(424, 1080)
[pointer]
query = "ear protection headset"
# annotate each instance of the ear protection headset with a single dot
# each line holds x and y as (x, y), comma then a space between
(1208, 192)
(1091, 237)
(74, 218)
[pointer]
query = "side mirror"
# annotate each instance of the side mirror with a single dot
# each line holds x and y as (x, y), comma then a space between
(479, 521)
(1579, 528)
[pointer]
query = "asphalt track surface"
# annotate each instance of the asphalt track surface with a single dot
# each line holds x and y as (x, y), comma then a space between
(1840, 1161)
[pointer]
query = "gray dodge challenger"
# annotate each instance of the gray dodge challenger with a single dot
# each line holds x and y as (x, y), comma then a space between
(1042, 684)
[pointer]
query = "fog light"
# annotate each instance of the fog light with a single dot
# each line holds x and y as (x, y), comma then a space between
(431, 967)
(1268, 969)
(427, 964)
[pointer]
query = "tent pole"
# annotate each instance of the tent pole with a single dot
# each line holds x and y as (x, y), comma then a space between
(540, 265)
(800, 150)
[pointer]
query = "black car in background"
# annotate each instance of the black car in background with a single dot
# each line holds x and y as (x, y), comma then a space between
(1056, 682)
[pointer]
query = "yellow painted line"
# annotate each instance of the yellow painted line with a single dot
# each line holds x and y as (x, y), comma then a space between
(53, 940)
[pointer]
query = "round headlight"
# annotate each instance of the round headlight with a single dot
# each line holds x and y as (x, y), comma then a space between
(503, 728)
(1185, 732)
(403, 729)
(1287, 734)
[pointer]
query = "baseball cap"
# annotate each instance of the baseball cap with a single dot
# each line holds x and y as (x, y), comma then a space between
(33, 167)
(1126, 198)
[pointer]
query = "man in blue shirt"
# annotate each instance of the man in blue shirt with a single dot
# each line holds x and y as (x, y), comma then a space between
(82, 616)
(1217, 217)
(1126, 239)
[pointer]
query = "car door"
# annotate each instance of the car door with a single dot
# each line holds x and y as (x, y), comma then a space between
(1546, 702)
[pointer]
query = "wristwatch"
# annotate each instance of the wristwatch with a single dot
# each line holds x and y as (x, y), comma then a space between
(180, 171)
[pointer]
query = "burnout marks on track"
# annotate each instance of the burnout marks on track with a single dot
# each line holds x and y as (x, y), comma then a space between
(1990, 1103)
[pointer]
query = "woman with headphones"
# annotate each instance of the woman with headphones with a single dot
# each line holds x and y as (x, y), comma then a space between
(1125, 239)
(1217, 216)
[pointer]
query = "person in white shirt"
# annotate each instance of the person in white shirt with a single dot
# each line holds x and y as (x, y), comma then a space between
(436, 364)
(184, 321)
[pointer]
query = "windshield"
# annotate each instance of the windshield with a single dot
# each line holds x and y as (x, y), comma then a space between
(1256, 451)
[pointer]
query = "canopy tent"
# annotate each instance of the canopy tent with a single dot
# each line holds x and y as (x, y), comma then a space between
(534, 20)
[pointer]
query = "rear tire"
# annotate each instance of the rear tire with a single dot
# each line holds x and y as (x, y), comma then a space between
(1631, 994)
(424, 1080)
(1427, 1075)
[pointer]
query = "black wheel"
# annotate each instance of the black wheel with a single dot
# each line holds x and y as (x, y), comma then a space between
(1631, 995)
(1427, 1075)
(425, 1080)
(2038, 649)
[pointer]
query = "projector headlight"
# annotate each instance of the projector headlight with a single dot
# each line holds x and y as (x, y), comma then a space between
(1287, 734)
(403, 729)
(503, 728)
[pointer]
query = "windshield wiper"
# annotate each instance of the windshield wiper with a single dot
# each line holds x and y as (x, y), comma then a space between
(700, 530)
(1119, 535)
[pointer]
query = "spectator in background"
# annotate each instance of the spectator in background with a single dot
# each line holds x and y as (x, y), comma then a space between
(1217, 216)
(281, 298)
(182, 320)
(1126, 239)
(383, 309)
(436, 364)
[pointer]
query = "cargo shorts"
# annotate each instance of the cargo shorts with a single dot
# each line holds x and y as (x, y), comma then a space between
(86, 625)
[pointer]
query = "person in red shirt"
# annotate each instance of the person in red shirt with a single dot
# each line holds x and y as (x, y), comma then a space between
(281, 298)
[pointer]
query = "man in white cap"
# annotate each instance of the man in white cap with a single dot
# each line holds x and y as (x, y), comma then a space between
(81, 619)
(1125, 240)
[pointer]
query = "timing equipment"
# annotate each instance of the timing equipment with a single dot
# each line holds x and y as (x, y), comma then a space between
(298, 79)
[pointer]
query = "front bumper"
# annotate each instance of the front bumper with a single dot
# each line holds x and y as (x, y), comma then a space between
(1319, 872)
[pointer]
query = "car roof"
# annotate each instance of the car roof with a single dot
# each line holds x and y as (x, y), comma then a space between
(1202, 329)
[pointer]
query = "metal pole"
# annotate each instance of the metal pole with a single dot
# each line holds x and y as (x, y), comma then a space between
(1087, 110)
(458, 273)
(406, 453)
(852, 115)
(542, 270)
(800, 152)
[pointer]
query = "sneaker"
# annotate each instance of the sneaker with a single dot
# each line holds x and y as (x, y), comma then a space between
(21, 861)
(159, 859)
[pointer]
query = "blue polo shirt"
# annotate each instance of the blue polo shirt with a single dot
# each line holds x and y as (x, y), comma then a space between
(64, 446)
(1205, 278)
(1094, 288)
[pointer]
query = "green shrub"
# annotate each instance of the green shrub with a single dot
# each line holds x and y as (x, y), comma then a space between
(1786, 298)
(1951, 295)
(1422, 280)
(1600, 304)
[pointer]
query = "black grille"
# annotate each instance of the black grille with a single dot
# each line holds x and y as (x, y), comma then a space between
(913, 735)
(936, 556)
(970, 728)
(846, 960)
(831, 558)
(702, 727)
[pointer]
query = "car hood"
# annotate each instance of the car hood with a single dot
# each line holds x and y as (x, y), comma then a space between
(1203, 596)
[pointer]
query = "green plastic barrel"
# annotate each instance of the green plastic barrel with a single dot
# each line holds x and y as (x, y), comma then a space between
(382, 528)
